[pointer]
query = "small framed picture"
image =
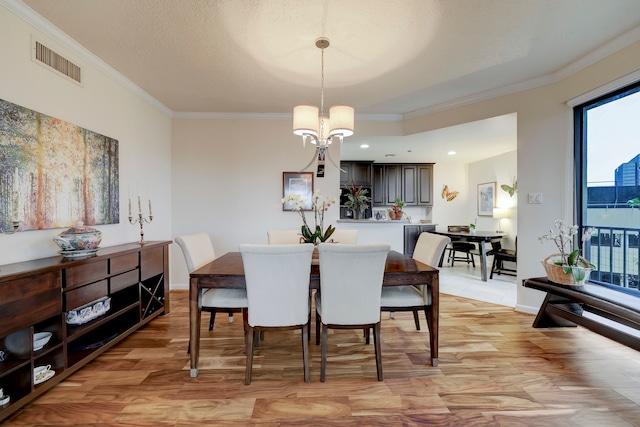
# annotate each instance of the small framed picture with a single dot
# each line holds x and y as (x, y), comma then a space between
(486, 198)
(300, 183)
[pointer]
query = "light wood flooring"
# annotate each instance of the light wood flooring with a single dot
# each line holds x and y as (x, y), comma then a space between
(495, 370)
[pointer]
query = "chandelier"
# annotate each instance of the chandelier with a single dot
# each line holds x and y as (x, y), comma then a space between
(310, 122)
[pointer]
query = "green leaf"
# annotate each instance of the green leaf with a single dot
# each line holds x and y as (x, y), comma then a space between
(573, 257)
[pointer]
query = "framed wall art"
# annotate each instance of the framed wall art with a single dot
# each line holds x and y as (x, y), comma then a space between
(54, 173)
(300, 183)
(486, 198)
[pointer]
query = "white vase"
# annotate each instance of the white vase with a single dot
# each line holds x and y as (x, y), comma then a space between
(580, 274)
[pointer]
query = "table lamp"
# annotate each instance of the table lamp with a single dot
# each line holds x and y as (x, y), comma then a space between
(500, 213)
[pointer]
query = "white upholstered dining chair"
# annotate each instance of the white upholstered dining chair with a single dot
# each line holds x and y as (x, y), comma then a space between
(350, 287)
(348, 237)
(429, 250)
(198, 251)
(277, 279)
(283, 237)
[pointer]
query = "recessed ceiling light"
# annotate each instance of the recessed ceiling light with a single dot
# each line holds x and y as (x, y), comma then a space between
(451, 153)
(364, 146)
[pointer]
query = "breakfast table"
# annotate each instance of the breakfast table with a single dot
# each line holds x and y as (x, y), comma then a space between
(227, 271)
(480, 237)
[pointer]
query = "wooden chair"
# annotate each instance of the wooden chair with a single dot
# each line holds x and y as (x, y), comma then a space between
(429, 250)
(501, 255)
(198, 251)
(350, 289)
(277, 279)
(463, 247)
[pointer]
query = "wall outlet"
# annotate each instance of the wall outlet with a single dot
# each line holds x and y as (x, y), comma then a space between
(535, 198)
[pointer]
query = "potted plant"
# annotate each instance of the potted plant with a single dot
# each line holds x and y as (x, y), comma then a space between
(472, 227)
(358, 201)
(316, 234)
(559, 266)
(396, 209)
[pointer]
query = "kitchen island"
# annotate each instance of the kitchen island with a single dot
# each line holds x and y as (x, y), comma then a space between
(400, 234)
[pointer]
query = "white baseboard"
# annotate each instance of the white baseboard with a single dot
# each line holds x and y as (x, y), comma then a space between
(527, 309)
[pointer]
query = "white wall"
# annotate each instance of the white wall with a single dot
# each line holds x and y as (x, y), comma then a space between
(501, 170)
(227, 181)
(101, 105)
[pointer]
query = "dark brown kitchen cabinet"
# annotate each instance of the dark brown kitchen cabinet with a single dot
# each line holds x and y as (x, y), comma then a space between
(35, 296)
(411, 234)
(413, 183)
(358, 173)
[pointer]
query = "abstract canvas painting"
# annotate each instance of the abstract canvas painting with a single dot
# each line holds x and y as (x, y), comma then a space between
(53, 173)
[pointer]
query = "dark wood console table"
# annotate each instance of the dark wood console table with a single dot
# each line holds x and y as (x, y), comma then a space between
(566, 305)
(35, 296)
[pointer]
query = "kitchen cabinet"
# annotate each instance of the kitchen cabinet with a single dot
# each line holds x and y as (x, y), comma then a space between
(411, 234)
(413, 183)
(35, 296)
(358, 173)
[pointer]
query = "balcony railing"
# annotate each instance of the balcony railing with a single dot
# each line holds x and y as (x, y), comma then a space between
(615, 252)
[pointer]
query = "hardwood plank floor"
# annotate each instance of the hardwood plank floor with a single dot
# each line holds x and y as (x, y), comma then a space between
(495, 370)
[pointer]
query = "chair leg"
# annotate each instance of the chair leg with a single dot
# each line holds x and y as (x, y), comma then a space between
(305, 352)
(415, 319)
(493, 266)
(317, 328)
(473, 262)
(376, 342)
(249, 350)
(367, 336)
(212, 319)
(323, 361)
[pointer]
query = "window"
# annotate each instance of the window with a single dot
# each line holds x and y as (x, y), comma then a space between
(607, 154)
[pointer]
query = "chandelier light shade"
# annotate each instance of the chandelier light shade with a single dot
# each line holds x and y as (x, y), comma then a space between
(310, 122)
(341, 117)
(305, 120)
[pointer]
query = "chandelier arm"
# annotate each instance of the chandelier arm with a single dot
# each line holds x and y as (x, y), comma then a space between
(332, 162)
(313, 159)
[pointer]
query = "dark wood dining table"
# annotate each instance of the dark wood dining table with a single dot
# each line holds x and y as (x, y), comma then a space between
(227, 271)
(480, 237)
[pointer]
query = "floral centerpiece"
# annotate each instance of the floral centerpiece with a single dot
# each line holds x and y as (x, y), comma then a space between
(319, 207)
(558, 266)
(358, 201)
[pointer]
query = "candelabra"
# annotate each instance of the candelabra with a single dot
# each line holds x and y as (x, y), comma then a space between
(14, 224)
(141, 220)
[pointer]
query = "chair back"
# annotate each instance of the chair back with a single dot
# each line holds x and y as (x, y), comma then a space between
(197, 249)
(277, 278)
(429, 248)
(458, 228)
(283, 237)
(351, 282)
(348, 237)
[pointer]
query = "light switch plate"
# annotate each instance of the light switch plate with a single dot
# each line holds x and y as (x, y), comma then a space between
(535, 198)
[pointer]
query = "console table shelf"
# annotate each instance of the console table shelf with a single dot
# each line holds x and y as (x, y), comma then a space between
(36, 295)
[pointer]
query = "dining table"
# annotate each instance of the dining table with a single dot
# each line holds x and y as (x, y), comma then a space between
(481, 238)
(227, 271)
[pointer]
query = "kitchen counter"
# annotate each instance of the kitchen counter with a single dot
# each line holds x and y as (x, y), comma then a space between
(383, 231)
(373, 221)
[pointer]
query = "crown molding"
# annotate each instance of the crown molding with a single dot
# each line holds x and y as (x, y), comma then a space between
(54, 33)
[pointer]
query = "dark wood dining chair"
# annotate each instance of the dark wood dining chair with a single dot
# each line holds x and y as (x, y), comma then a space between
(464, 248)
(500, 255)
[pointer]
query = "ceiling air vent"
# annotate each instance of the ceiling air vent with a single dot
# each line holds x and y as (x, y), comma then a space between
(46, 56)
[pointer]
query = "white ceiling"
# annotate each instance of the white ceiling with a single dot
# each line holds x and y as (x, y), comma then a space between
(387, 57)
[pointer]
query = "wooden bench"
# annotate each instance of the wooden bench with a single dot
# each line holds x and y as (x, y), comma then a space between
(565, 306)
